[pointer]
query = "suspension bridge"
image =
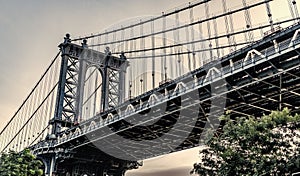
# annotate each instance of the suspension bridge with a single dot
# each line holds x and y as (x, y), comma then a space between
(158, 85)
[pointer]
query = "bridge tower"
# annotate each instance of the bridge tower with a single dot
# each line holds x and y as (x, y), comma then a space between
(75, 61)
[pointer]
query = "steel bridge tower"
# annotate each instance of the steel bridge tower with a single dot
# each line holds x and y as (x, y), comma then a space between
(75, 60)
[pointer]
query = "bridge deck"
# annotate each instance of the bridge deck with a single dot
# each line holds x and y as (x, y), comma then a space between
(179, 117)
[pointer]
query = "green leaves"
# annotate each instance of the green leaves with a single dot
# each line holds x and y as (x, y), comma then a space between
(267, 145)
(20, 164)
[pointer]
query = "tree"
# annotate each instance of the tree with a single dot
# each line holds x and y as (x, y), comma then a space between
(269, 145)
(20, 164)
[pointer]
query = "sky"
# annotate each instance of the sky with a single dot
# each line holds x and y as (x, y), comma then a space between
(30, 32)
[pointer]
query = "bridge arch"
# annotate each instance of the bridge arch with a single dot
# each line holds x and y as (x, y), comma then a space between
(92, 91)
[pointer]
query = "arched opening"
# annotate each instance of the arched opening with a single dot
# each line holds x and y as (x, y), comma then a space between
(91, 103)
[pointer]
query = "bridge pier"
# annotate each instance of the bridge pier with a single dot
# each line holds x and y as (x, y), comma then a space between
(49, 162)
(52, 166)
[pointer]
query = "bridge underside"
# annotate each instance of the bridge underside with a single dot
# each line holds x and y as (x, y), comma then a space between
(253, 92)
(87, 160)
(271, 85)
(91, 161)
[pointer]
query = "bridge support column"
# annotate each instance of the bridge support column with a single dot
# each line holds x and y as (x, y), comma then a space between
(50, 165)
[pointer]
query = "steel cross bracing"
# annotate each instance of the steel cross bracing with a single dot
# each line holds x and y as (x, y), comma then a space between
(262, 78)
(66, 107)
(114, 82)
(75, 62)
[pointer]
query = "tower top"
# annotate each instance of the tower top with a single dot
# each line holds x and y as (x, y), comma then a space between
(67, 38)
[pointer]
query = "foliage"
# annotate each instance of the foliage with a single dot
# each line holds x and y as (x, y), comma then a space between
(269, 145)
(20, 164)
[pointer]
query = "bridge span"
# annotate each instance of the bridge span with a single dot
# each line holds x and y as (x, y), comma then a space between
(101, 108)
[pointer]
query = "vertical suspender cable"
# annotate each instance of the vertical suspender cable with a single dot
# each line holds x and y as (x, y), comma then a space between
(131, 81)
(232, 31)
(203, 55)
(291, 9)
(106, 37)
(216, 36)
(123, 39)
(143, 61)
(24, 112)
(180, 61)
(99, 41)
(248, 21)
(47, 109)
(187, 34)
(171, 62)
(193, 36)
(96, 93)
(114, 39)
(209, 31)
(261, 32)
(164, 59)
(269, 15)
(19, 126)
(29, 115)
(227, 25)
(153, 54)
(177, 40)
(296, 9)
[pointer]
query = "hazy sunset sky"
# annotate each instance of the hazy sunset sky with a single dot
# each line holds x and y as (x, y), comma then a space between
(30, 32)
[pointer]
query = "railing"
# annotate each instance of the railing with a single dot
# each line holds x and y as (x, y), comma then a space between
(272, 31)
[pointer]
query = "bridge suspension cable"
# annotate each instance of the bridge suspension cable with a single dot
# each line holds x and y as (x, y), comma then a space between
(166, 14)
(153, 42)
(30, 122)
